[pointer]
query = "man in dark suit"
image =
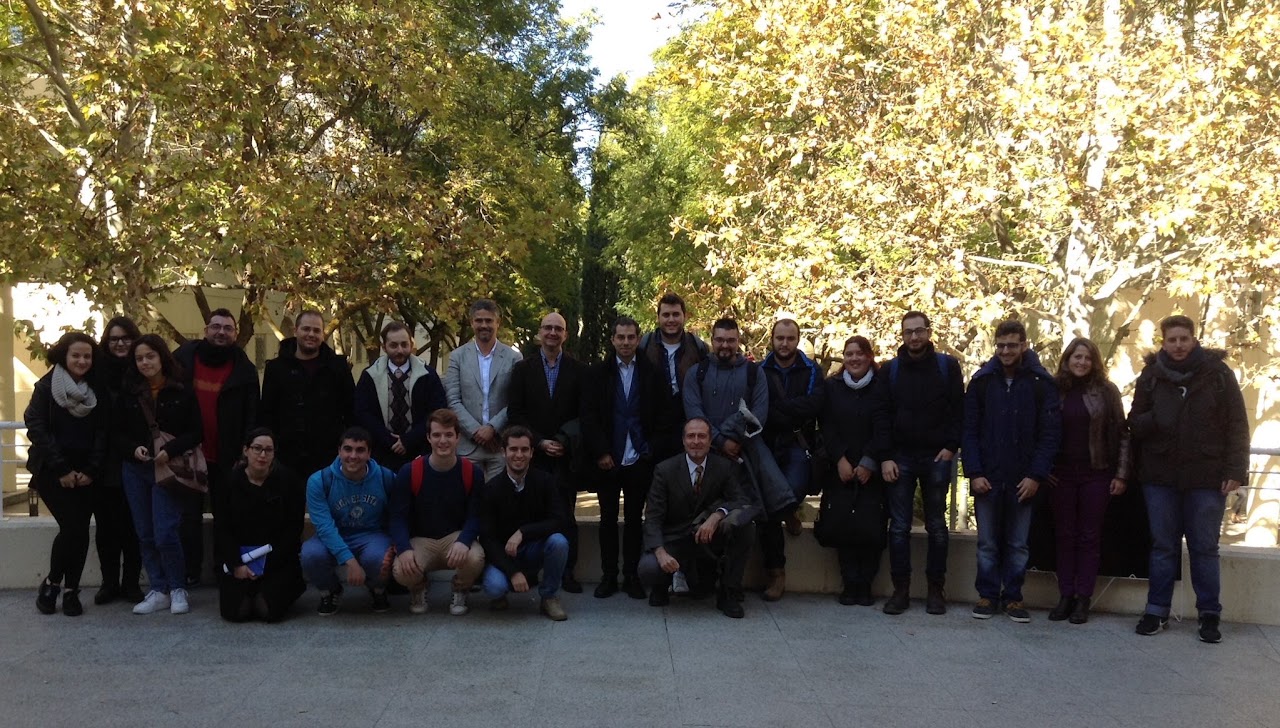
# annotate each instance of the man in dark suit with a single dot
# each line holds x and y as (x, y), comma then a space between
(695, 523)
(544, 395)
(621, 409)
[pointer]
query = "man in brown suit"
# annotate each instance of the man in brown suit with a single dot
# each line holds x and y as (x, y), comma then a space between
(697, 520)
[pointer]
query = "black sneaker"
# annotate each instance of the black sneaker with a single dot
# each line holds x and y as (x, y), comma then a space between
(1017, 612)
(984, 609)
(1209, 631)
(107, 594)
(1151, 624)
(72, 608)
(47, 597)
(328, 604)
(380, 602)
(850, 596)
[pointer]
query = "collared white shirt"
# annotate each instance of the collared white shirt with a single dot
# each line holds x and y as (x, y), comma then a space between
(407, 368)
(519, 484)
(486, 366)
(693, 467)
(626, 372)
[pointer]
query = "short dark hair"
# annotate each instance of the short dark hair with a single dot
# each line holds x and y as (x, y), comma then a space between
(671, 299)
(355, 433)
(169, 366)
(58, 352)
(703, 420)
(393, 327)
(444, 416)
(625, 321)
(1011, 327)
(483, 304)
(788, 321)
(514, 431)
(726, 324)
(916, 314)
(297, 320)
(1177, 321)
(130, 329)
(257, 432)
(223, 312)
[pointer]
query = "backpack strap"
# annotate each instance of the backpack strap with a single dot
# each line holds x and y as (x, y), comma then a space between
(415, 475)
(468, 475)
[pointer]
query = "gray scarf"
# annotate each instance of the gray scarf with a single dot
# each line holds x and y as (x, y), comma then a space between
(75, 397)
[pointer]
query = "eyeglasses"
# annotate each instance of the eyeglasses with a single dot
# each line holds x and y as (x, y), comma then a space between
(222, 327)
(1009, 346)
(549, 327)
(917, 331)
(262, 450)
(119, 339)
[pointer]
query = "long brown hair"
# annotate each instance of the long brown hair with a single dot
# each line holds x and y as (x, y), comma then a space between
(1097, 375)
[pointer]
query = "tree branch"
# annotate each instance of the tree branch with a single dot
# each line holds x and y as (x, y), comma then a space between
(57, 75)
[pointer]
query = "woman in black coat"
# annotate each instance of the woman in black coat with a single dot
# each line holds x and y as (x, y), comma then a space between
(118, 554)
(65, 423)
(261, 505)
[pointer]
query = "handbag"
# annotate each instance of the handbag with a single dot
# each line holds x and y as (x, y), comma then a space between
(187, 472)
(852, 514)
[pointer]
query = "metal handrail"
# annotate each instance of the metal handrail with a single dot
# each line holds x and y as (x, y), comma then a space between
(33, 496)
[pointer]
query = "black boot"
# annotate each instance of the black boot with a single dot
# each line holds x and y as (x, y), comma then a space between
(47, 597)
(901, 599)
(851, 595)
(936, 601)
(1080, 614)
(1063, 609)
(71, 603)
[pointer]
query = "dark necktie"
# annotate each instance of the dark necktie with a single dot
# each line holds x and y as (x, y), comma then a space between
(399, 402)
(697, 480)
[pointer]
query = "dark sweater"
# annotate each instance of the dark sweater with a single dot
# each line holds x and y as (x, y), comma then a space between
(443, 504)
(537, 512)
(253, 515)
(926, 410)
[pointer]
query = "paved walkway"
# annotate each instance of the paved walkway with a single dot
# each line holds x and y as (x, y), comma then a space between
(804, 661)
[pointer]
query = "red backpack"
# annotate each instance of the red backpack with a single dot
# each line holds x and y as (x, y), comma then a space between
(416, 474)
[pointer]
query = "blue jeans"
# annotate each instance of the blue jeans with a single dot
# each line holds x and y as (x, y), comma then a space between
(157, 517)
(370, 549)
(793, 461)
(1003, 525)
(934, 479)
(550, 555)
(1197, 514)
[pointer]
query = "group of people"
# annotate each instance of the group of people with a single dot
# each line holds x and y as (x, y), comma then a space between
(701, 452)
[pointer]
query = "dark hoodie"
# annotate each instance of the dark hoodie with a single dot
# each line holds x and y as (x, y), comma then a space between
(1188, 422)
(1011, 430)
(307, 407)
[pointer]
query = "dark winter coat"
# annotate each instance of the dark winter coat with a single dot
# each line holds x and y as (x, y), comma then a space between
(926, 409)
(1011, 430)
(176, 412)
(802, 379)
(61, 442)
(237, 401)
(307, 413)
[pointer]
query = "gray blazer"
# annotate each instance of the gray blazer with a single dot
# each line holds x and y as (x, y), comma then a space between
(673, 510)
(465, 393)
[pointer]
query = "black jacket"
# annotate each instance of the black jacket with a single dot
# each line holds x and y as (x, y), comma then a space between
(1189, 428)
(61, 442)
(529, 404)
(307, 413)
(176, 412)
(537, 512)
(801, 380)
(253, 515)
(599, 395)
(692, 351)
(854, 422)
(926, 409)
(237, 401)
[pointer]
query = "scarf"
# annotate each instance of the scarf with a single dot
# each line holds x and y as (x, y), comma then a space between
(214, 356)
(851, 383)
(75, 397)
(1180, 372)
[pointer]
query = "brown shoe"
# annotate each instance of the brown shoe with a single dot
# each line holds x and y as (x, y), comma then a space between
(551, 607)
(777, 585)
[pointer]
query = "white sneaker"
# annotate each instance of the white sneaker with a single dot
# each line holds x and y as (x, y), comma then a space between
(180, 604)
(679, 584)
(458, 604)
(418, 600)
(154, 602)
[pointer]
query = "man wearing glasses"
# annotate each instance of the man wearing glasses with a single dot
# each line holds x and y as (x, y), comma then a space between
(1012, 429)
(544, 395)
(925, 393)
(225, 383)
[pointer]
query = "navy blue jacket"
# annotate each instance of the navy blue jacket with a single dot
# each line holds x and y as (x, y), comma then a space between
(1011, 431)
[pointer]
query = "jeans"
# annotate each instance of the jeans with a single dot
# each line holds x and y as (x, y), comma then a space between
(157, 518)
(1197, 514)
(1003, 525)
(934, 479)
(549, 554)
(370, 549)
(793, 461)
(1080, 501)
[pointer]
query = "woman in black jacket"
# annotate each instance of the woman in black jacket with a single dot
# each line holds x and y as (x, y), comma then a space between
(68, 446)
(117, 543)
(154, 392)
(261, 505)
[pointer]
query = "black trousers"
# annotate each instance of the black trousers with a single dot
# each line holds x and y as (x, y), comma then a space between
(116, 540)
(236, 597)
(859, 564)
(191, 531)
(71, 508)
(726, 556)
(632, 485)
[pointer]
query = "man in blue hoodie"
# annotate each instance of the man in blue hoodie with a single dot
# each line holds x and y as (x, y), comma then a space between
(347, 502)
(1012, 429)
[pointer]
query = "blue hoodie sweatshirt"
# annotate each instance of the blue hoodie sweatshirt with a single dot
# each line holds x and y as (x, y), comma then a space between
(1011, 431)
(342, 508)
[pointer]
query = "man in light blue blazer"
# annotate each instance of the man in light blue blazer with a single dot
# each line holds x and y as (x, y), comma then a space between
(475, 386)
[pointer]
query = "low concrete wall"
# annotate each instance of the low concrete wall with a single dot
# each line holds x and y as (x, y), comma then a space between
(1250, 576)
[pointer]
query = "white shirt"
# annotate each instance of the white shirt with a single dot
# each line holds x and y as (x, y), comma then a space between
(693, 467)
(626, 372)
(486, 366)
